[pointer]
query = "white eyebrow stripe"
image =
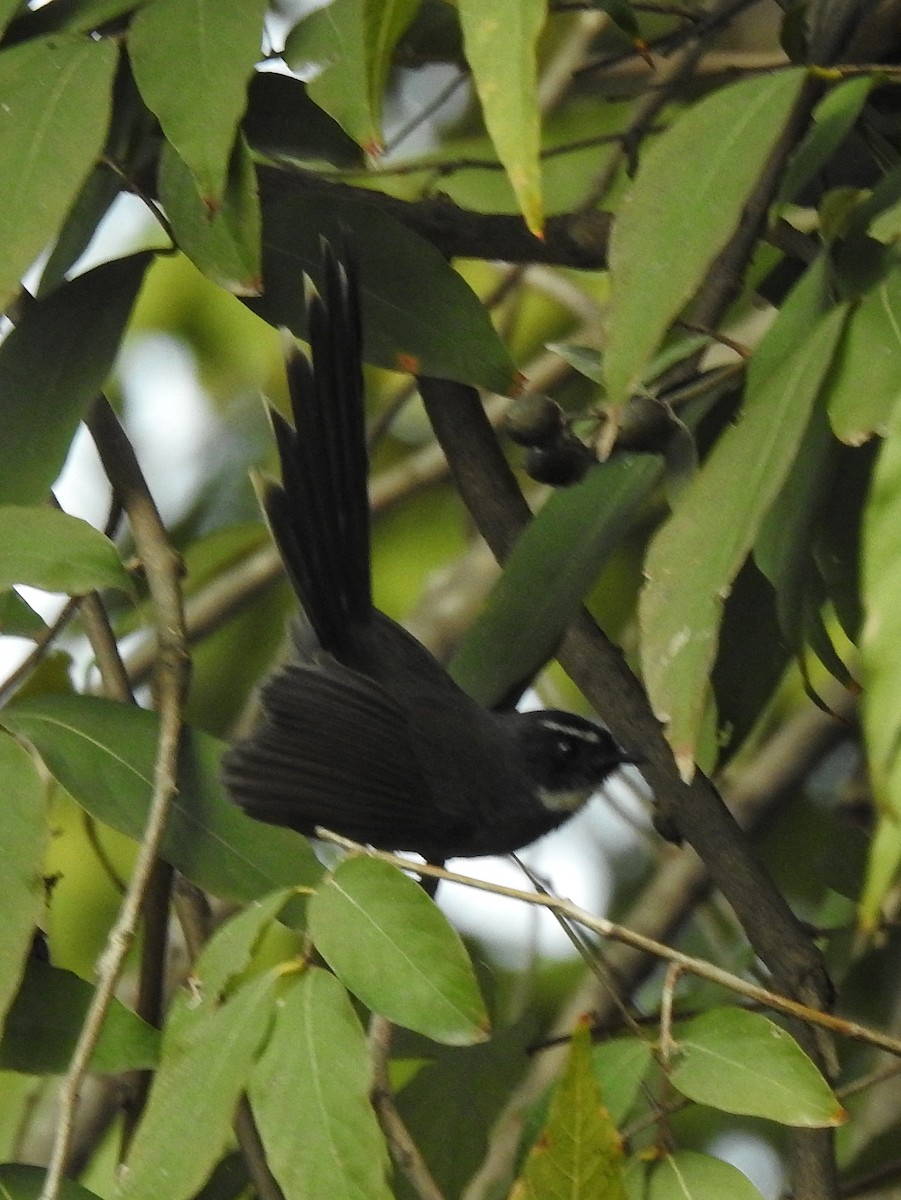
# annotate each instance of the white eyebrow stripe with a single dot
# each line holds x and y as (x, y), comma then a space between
(587, 735)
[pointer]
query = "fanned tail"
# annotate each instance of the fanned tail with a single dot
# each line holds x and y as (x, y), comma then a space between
(320, 513)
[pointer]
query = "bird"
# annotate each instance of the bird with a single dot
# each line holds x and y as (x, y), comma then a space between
(362, 731)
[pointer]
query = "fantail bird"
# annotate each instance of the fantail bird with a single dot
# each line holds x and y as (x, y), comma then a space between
(363, 731)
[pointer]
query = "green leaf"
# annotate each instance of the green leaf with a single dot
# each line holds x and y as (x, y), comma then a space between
(46, 1017)
(462, 1087)
(18, 619)
(394, 949)
(20, 1181)
(418, 314)
(786, 541)
(740, 1062)
(883, 861)
(52, 365)
(8, 10)
(229, 951)
(621, 1066)
(833, 120)
(865, 389)
(685, 204)
(103, 754)
(23, 840)
(579, 1153)
(318, 1040)
(695, 557)
(283, 122)
(352, 42)
(506, 84)
(553, 564)
(216, 46)
(204, 1069)
(226, 244)
(100, 189)
(54, 112)
(688, 1175)
(880, 654)
(48, 549)
(622, 14)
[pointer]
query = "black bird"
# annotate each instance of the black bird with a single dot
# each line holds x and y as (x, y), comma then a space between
(364, 732)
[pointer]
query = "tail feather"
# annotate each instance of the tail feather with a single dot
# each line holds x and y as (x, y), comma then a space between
(319, 514)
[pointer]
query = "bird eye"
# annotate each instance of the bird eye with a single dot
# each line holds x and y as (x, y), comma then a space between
(565, 748)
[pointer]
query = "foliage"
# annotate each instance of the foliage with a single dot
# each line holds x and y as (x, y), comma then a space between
(698, 308)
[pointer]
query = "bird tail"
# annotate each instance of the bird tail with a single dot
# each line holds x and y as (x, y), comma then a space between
(319, 514)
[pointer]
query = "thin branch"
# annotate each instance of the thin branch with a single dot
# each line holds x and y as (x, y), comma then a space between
(162, 568)
(403, 1149)
(628, 937)
(248, 1135)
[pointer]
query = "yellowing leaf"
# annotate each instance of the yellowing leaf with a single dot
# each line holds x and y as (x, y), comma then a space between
(578, 1155)
(500, 40)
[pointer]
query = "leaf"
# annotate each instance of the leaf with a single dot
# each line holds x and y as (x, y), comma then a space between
(282, 121)
(462, 1088)
(578, 1155)
(393, 948)
(23, 840)
(54, 112)
(685, 204)
(833, 119)
(103, 754)
(318, 1040)
(52, 365)
(214, 44)
(506, 84)
(91, 205)
(740, 1062)
(8, 10)
(48, 549)
(226, 244)
(228, 952)
(20, 1181)
(189, 1113)
(883, 861)
(785, 543)
(418, 314)
(864, 388)
(621, 1066)
(45, 1020)
(553, 564)
(18, 619)
(697, 554)
(880, 655)
(688, 1175)
(622, 14)
(352, 42)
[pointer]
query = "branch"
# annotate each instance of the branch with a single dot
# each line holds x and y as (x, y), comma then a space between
(162, 568)
(403, 1149)
(628, 937)
(572, 240)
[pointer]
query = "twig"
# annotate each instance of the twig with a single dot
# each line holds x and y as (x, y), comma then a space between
(403, 1149)
(162, 568)
(267, 1186)
(42, 644)
(609, 929)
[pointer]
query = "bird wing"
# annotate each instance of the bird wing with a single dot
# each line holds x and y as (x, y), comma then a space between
(333, 749)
